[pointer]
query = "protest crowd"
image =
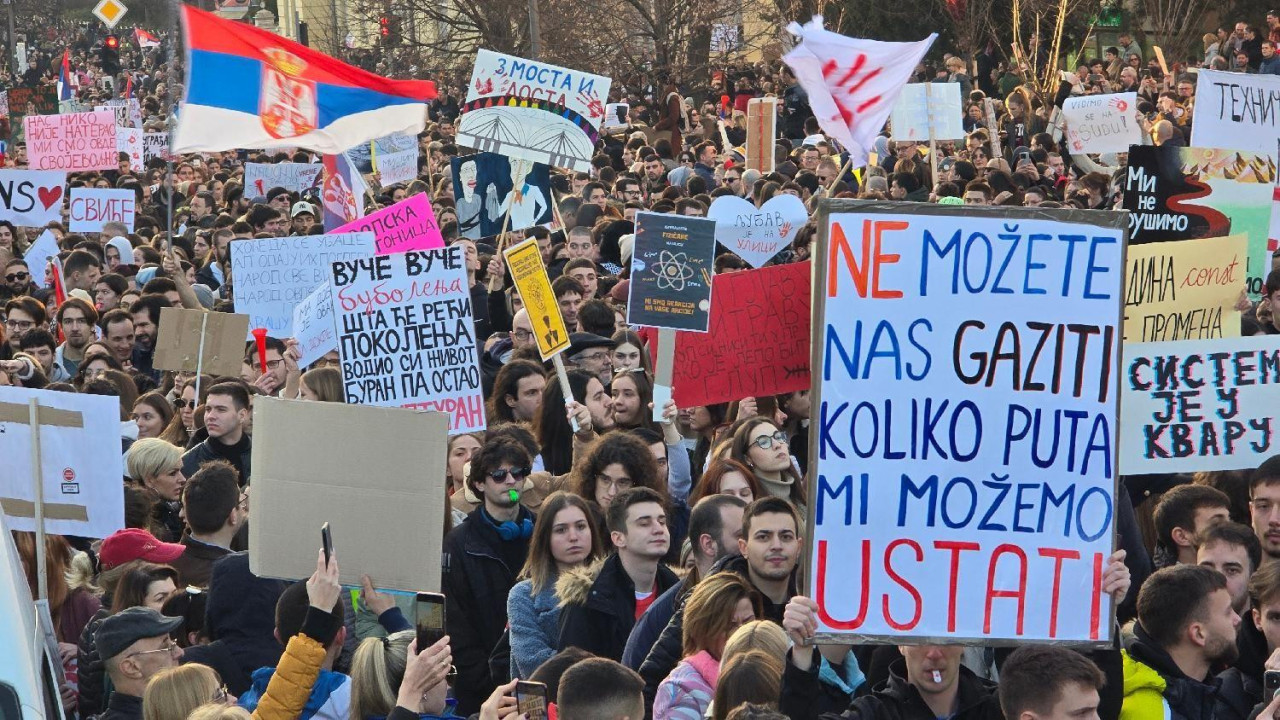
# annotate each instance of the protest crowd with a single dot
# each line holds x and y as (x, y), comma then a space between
(621, 552)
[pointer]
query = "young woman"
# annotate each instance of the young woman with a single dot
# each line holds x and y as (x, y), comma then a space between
(388, 678)
(156, 465)
(564, 537)
(752, 677)
(718, 605)
(551, 427)
(321, 385)
(628, 351)
(152, 413)
(610, 465)
(761, 446)
(727, 477)
(144, 585)
(632, 395)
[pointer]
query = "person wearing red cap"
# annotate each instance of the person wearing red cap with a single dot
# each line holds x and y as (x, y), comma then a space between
(136, 544)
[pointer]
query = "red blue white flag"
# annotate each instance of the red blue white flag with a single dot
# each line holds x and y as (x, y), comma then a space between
(248, 88)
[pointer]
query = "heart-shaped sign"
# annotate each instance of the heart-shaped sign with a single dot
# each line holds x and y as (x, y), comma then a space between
(757, 234)
(49, 196)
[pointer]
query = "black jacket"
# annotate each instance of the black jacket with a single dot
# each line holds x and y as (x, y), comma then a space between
(598, 606)
(240, 617)
(196, 564)
(91, 675)
(123, 707)
(210, 449)
(896, 699)
(479, 570)
(1188, 698)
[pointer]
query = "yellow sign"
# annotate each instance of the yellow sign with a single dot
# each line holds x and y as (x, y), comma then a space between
(110, 12)
(525, 261)
(1185, 289)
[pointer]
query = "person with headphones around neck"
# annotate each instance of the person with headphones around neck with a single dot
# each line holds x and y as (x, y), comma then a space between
(482, 558)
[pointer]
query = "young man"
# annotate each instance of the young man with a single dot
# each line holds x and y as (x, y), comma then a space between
(482, 557)
(1046, 682)
(1233, 550)
(1183, 513)
(569, 295)
(135, 646)
(226, 416)
(600, 689)
(1264, 505)
(81, 270)
(600, 604)
(1186, 627)
(117, 334)
(76, 318)
(146, 321)
(517, 392)
(213, 505)
(39, 344)
(1259, 635)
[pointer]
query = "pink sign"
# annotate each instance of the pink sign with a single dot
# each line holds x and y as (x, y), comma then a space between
(75, 141)
(408, 225)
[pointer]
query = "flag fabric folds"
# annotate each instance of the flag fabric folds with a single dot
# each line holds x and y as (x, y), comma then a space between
(64, 77)
(248, 88)
(145, 39)
(852, 83)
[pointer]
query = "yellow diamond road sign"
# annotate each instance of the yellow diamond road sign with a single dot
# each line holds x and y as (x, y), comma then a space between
(110, 12)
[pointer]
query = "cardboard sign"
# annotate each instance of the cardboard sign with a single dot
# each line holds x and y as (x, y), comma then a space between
(259, 178)
(1178, 193)
(31, 198)
(1102, 123)
(928, 110)
(758, 341)
(274, 275)
(533, 111)
(129, 140)
(1184, 290)
(965, 454)
(92, 208)
(762, 133)
(79, 141)
(210, 343)
(757, 234)
(313, 325)
(406, 334)
(485, 185)
(80, 462)
(530, 277)
(308, 471)
(408, 225)
(1199, 405)
(671, 272)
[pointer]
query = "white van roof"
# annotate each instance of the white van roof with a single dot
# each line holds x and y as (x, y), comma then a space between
(22, 652)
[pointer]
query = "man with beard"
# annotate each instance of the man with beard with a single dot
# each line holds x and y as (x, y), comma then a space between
(1186, 629)
(146, 321)
(76, 318)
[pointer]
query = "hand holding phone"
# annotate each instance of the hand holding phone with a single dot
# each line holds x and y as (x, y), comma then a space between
(326, 542)
(531, 700)
(430, 619)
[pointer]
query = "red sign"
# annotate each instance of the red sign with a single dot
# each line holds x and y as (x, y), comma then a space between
(758, 342)
(69, 475)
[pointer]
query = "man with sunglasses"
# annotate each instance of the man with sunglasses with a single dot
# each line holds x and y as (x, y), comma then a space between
(482, 558)
(18, 280)
(135, 646)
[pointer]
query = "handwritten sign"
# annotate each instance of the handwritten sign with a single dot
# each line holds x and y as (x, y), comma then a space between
(273, 275)
(78, 141)
(530, 277)
(259, 178)
(1199, 405)
(406, 334)
(1102, 123)
(129, 140)
(408, 225)
(1184, 290)
(671, 272)
(757, 234)
(313, 325)
(925, 108)
(92, 208)
(965, 456)
(31, 198)
(155, 145)
(1177, 193)
(1236, 110)
(533, 111)
(757, 343)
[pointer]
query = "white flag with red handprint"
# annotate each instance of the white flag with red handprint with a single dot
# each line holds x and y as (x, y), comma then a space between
(852, 83)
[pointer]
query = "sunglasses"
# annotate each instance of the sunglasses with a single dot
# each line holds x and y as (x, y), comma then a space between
(181, 404)
(765, 442)
(500, 474)
(16, 277)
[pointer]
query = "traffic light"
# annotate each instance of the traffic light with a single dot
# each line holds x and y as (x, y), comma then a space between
(111, 42)
(389, 29)
(109, 55)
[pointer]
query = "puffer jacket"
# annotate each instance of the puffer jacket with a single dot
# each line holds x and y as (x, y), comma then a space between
(1154, 686)
(598, 606)
(687, 692)
(290, 687)
(91, 675)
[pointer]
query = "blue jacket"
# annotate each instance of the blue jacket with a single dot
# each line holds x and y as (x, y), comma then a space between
(1270, 66)
(330, 696)
(534, 623)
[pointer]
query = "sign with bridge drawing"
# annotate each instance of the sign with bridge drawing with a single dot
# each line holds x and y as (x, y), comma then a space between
(533, 111)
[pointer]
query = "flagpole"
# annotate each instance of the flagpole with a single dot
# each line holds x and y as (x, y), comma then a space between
(176, 7)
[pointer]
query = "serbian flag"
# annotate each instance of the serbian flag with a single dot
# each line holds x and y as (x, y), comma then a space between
(64, 77)
(248, 88)
(145, 39)
(852, 83)
(341, 192)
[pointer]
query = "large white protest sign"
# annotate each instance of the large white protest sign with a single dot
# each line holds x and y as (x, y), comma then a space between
(925, 105)
(966, 367)
(396, 167)
(1102, 123)
(406, 335)
(92, 208)
(78, 141)
(31, 198)
(129, 140)
(757, 234)
(1199, 405)
(533, 111)
(313, 325)
(80, 462)
(155, 145)
(259, 178)
(1236, 110)
(273, 275)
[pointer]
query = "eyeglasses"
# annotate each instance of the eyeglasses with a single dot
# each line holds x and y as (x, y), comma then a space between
(220, 696)
(169, 646)
(765, 442)
(618, 484)
(19, 324)
(17, 277)
(501, 473)
(273, 364)
(594, 357)
(522, 335)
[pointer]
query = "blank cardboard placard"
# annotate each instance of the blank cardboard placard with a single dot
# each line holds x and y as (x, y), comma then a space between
(178, 341)
(376, 475)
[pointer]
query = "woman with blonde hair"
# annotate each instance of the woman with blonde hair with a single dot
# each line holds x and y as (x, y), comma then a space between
(388, 678)
(156, 465)
(756, 635)
(176, 692)
(752, 677)
(717, 606)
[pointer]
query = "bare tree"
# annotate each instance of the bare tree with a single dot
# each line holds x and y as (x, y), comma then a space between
(1176, 25)
(1041, 40)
